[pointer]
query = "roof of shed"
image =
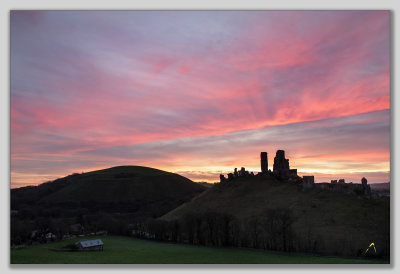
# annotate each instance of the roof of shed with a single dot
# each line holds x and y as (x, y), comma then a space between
(89, 243)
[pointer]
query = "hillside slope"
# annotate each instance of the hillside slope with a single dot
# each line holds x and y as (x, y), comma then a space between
(145, 191)
(325, 222)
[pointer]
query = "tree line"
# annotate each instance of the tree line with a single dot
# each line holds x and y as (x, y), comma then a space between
(272, 231)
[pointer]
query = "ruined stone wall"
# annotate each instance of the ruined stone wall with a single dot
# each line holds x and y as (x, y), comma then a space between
(308, 183)
(356, 189)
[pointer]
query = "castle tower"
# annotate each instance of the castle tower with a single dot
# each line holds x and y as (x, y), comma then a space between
(281, 164)
(364, 181)
(264, 162)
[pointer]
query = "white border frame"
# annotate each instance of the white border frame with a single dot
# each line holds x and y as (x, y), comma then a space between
(7, 5)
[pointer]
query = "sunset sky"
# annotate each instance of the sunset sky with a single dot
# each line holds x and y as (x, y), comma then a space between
(200, 92)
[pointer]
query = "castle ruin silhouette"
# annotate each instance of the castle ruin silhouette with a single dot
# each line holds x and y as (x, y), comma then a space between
(283, 173)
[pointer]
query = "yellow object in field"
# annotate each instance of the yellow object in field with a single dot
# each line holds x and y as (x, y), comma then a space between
(372, 244)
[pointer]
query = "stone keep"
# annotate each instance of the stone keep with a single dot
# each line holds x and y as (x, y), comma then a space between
(264, 162)
(281, 165)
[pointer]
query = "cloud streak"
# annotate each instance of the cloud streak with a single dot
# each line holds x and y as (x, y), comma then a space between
(343, 146)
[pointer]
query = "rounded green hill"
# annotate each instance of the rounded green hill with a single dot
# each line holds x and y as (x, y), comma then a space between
(146, 191)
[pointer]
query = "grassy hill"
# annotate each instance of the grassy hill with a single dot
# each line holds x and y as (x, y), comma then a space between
(319, 221)
(146, 191)
(124, 250)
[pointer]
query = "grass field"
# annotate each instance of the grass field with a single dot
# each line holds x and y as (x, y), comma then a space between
(124, 250)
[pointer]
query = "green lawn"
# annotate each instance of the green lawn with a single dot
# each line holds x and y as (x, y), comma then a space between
(124, 250)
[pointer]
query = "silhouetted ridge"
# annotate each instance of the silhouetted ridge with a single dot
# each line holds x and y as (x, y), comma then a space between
(142, 191)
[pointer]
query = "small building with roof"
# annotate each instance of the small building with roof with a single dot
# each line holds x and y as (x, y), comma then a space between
(90, 245)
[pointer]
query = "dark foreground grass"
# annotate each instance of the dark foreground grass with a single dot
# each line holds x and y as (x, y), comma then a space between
(124, 250)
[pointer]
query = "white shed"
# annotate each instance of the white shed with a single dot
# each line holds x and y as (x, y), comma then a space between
(90, 245)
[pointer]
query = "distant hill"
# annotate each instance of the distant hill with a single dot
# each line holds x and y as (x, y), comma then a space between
(317, 221)
(141, 191)
(381, 189)
(380, 186)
